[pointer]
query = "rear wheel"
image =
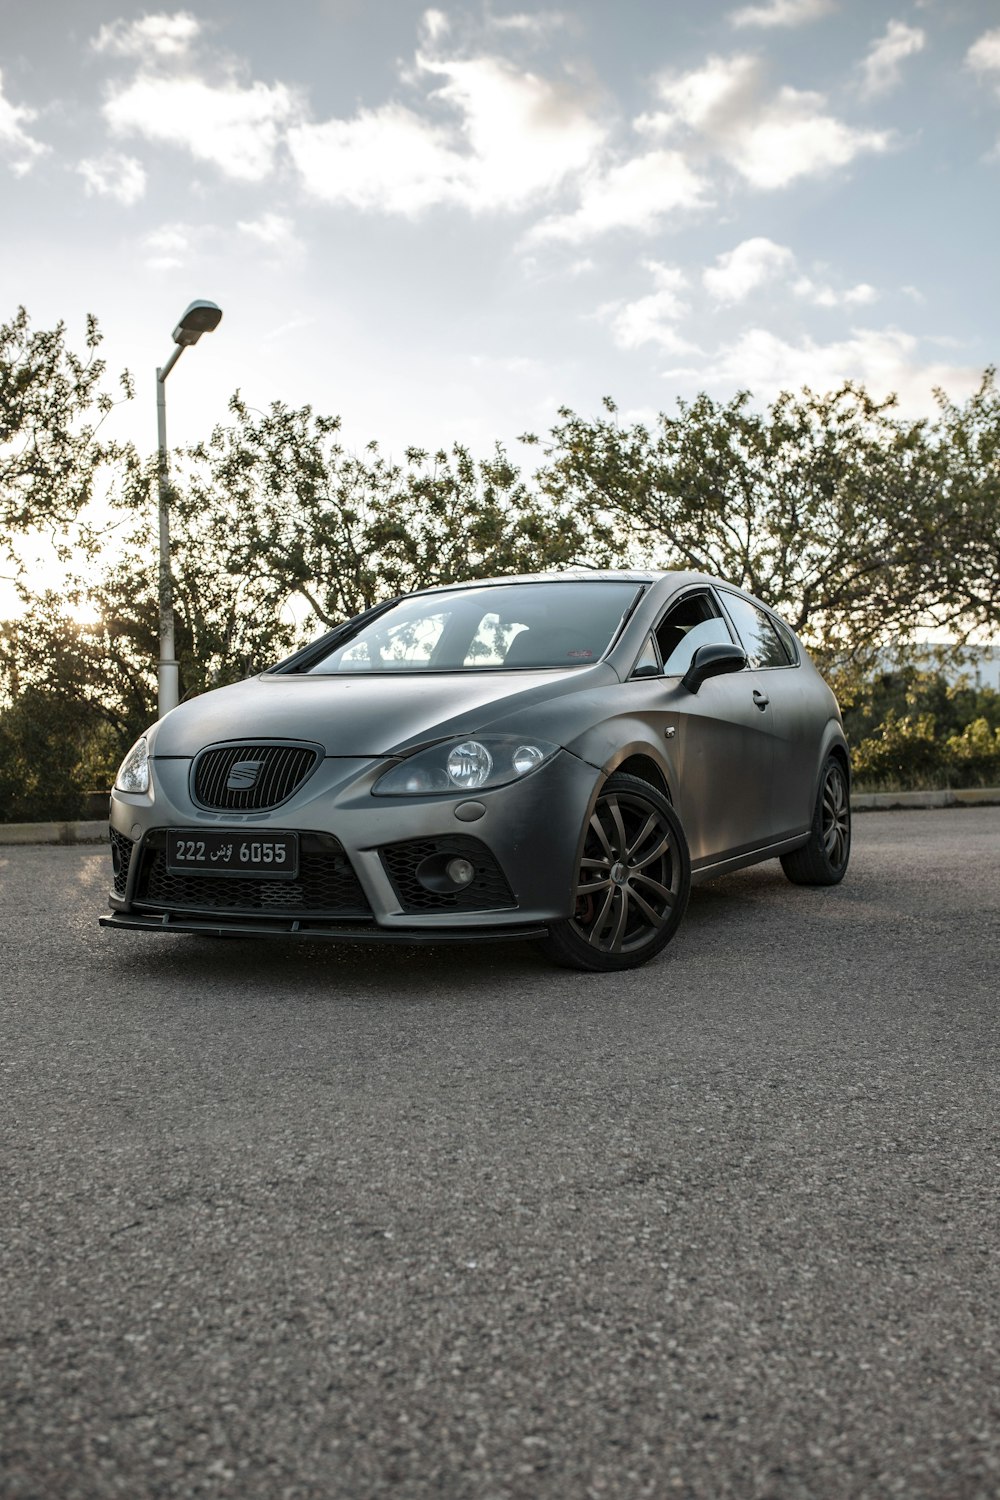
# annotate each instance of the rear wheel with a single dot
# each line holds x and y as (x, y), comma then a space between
(823, 860)
(632, 885)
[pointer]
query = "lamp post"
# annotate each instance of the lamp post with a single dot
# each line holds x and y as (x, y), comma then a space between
(199, 318)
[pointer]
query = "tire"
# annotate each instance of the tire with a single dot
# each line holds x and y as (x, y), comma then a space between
(632, 885)
(824, 859)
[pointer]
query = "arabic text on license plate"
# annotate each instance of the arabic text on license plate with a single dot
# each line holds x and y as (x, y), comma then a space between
(238, 853)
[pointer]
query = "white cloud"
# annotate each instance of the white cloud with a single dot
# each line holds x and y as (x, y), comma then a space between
(114, 176)
(236, 128)
(509, 138)
(538, 24)
(16, 144)
(825, 295)
(652, 319)
(861, 295)
(782, 13)
(435, 24)
(525, 132)
(274, 233)
(883, 360)
(770, 140)
(636, 195)
(882, 66)
(984, 55)
(388, 158)
(718, 95)
(162, 36)
(792, 138)
(754, 262)
(740, 271)
(269, 229)
(169, 246)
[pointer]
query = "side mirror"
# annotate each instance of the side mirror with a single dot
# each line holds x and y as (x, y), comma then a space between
(713, 661)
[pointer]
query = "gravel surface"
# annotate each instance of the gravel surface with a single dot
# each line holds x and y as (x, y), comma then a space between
(290, 1220)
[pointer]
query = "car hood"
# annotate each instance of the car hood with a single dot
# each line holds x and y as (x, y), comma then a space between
(366, 715)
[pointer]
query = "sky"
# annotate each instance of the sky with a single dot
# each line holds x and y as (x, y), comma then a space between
(446, 223)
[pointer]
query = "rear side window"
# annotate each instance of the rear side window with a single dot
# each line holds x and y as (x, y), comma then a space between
(787, 640)
(761, 641)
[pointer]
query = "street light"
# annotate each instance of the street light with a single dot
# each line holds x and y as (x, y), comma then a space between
(199, 318)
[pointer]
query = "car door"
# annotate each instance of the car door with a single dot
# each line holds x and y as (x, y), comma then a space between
(774, 661)
(725, 737)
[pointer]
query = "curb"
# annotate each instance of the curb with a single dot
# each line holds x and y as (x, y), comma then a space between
(972, 796)
(96, 830)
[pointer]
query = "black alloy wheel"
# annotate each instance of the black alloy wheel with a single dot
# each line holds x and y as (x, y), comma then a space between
(633, 882)
(824, 859)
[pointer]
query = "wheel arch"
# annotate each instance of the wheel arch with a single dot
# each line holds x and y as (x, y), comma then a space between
(833, 744)
(840, 751)
(645, 768)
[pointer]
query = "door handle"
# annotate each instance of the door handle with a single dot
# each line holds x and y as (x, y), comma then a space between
(761, 699)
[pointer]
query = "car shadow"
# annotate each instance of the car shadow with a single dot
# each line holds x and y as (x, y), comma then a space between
(273, 965)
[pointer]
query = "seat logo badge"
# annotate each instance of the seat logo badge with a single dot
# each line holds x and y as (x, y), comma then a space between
(243, 775)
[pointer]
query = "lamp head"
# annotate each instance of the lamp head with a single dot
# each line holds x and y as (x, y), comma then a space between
(198, 318)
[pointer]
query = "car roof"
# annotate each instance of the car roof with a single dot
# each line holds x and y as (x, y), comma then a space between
(565, 575)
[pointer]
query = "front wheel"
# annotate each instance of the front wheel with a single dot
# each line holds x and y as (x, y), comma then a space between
(823, 860)
(632, 885)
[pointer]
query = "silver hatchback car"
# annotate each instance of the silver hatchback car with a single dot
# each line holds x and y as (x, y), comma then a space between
(552, 757)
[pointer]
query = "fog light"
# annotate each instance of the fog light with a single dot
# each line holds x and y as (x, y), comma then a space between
(461, 871)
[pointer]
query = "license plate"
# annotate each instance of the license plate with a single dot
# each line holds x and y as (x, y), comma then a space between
(195, 853)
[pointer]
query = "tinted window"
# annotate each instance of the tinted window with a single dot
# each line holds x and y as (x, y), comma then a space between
(787, 640)
(648, 664)
(761, 641)
(495, 628)
(694, 621)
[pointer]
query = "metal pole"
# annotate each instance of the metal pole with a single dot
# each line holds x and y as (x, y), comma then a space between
(167, 676)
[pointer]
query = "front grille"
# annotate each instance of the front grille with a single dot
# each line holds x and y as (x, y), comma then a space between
(121, 853)
(262, 776)
(326, 885)
(488, 891)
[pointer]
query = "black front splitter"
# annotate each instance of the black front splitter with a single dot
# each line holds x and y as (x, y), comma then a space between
(294, 928)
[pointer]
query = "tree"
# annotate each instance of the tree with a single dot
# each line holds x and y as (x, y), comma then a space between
(964, 551)
(52, 407)
(854, 523)
(275, 501)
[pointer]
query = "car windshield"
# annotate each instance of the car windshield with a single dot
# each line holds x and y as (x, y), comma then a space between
(500, 627)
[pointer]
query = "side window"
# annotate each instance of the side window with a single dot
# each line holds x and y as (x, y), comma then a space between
(648, 664)
(787, 640)
(694, 621)
(761, 641)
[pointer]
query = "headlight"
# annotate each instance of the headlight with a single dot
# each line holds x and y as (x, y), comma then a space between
(133, 773)
(464, 766)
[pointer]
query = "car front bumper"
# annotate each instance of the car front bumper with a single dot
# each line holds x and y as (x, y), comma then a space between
(361, 854)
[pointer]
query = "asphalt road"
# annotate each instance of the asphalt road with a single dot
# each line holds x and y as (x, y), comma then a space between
(299, 1221)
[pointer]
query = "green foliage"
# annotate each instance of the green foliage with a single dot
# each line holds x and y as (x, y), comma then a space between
(974, 755)
(910, 752)
(52, 406)
(47, 759)
(912, 692)
(903, 754)
(283, 507)
(856, 524)
(912, 728)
